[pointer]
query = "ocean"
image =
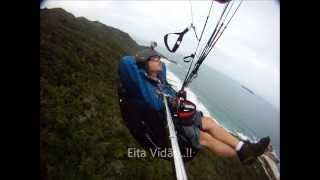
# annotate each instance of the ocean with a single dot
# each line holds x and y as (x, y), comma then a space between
(235, 107)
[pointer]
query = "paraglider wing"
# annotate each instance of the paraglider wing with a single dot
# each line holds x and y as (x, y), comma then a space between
(222, 1)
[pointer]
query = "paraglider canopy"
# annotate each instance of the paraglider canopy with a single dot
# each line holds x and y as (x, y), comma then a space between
(222, 1)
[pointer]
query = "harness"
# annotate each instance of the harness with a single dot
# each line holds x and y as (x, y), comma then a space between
(180, 37)
(148, 125)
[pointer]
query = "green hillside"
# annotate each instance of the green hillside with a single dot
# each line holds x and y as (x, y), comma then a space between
(82, 134)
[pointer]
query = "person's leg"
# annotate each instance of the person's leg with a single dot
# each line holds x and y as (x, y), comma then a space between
(216, 146)
(211, 127)
(222, 143)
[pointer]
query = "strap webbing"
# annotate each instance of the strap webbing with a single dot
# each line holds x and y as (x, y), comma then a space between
(178, 42)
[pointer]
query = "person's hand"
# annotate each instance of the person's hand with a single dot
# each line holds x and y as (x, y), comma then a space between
(172, 102)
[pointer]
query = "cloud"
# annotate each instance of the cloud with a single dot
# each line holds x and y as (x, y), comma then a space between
(250, 44)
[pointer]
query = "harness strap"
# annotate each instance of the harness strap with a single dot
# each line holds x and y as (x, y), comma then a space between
(185, 58)
(178, 42)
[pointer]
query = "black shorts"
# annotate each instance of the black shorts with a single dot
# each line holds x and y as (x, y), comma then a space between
(193, 132)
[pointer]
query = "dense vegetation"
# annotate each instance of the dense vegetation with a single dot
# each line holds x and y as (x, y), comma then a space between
(82, 134)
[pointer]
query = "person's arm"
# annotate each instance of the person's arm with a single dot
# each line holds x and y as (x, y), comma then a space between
(135, 83)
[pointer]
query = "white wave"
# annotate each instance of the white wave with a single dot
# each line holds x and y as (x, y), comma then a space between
(270, 167)
(242, 136)
(245, 137)
(200, 106)
(177, 83)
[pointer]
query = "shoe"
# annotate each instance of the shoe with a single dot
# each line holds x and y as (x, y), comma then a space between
(250, 151)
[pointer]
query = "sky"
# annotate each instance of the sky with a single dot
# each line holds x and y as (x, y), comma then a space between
(250, 45)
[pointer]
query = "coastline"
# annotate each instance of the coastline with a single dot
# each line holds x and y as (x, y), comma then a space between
(268, 160)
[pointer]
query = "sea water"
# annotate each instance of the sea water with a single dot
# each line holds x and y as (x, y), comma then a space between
(233, 106)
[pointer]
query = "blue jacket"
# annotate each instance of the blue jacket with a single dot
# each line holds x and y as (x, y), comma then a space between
(140, 87)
